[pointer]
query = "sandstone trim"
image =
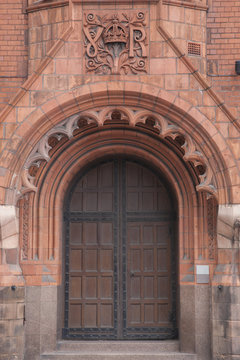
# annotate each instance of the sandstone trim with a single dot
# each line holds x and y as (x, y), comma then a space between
(133, 116)
(41, 6)
(187, 4)
(51, 5)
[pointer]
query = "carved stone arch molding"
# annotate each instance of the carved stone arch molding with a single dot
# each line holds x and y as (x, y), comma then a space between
(133, 116)
(87, 136)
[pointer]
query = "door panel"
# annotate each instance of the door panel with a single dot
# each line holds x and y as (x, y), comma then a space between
(148, 276)
(119, 258)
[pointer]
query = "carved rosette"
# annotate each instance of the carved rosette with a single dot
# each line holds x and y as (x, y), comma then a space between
(115, 44)
(132, 116)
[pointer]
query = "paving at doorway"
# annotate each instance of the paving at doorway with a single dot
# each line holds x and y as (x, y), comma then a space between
(118, 350)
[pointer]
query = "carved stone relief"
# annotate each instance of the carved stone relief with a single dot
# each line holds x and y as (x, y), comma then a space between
(24, 225)
(115, 44)
(236, 232)
(211, 228)
(130, 116)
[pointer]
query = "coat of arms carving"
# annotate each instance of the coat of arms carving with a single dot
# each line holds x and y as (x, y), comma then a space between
(115, 44)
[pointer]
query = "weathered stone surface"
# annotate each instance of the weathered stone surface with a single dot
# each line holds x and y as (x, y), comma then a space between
(12, 323)
(32, 347)
(187, 323)
(7, 294)
(8, 311)
(223, 295)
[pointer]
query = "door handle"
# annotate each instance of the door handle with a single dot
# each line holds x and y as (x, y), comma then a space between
(131, 274)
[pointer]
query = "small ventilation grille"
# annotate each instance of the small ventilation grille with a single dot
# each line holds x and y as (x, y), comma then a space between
(194, 49)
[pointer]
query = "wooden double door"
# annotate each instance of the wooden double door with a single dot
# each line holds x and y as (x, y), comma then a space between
(119, 268)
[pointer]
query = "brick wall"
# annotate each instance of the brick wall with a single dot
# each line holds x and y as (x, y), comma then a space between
(13, 49)
(223, 37)
(45, 27)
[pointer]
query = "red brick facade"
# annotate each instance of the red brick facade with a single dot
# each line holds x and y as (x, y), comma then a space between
(14, 50)
(223, 50)
(166, 94)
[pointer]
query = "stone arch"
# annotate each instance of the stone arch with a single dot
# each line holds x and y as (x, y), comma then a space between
(71, 145)
(174, 117)
(133, 116)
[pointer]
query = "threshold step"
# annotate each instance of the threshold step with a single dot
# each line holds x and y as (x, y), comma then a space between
(119, 346)
(116, 356)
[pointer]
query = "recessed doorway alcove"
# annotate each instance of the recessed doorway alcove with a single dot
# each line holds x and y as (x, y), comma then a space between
(120, 215)
(120, 254)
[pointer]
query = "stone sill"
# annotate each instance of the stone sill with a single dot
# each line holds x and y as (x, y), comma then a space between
(197, 5)
(45, 5)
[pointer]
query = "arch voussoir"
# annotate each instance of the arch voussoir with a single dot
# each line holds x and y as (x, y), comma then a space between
(131, 99)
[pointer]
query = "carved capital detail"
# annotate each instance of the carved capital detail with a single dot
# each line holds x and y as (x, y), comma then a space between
(129, 117)
(115, 44)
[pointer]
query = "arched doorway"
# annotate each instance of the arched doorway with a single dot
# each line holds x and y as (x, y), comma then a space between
(82, 141)
(120, 271)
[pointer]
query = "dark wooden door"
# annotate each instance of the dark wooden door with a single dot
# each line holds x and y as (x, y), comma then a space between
(120, 281)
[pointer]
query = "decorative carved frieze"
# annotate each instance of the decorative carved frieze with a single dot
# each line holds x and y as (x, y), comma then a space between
(115, 44)
(40, 152)
(126, 115)
(25, 218)
(211, 228)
